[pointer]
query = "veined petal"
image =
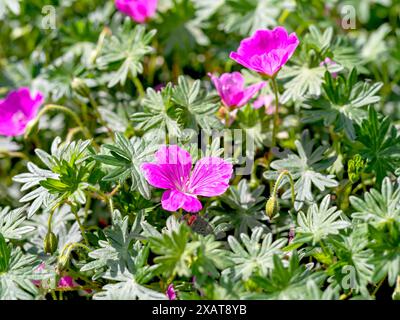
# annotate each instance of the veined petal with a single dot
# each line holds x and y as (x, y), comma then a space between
(171, 170)
(157, 176)
(210, 177)
(172, 200)
(250, 92)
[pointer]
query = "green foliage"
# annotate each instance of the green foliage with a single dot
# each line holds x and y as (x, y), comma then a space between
(380, 145)
(241, 209)
(305, 168)
(126, 157)
(254, 257)
(377, 208)
(123, 52)
(319, 222)
(341, 105)
(115, 90)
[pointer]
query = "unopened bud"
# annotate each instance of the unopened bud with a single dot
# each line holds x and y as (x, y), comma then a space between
(272, 206)
(50, 243)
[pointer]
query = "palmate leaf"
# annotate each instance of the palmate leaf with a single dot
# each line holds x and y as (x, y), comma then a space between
(176, 107)
(116, 252)
(253, 257)
(39, 195)
(124, 51)
(380, 145)
(247, 16)
(16, 273)
(126, 156)
(305, 169)
(66, 179)
(174, 251)
(127, 288)
(181, 30)
(241, 209)
(158, 112)
(303, 81)
(196, 108)
(352, 268)
(385, 242)
(12, 223)
(342, 102)
(378, 208)
(286, 283)
(319, 222)
(209, 258)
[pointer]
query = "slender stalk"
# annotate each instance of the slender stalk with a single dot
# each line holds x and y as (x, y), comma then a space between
(378, 286)
(75, 212)
(278, 181)
(53, 107)
(276, 113)
(139, 87)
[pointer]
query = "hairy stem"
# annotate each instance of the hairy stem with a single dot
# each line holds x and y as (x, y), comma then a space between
(276, 113)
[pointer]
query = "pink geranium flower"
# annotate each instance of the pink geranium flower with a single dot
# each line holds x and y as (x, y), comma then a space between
(171, 294)
(67, 282)
(172, 171)
(138, 10)
(230, 87)
(329, 62)
(17, 110)
(266, 51)
(267, 101)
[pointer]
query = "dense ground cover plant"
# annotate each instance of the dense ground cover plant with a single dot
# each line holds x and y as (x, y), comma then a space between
(196, 149)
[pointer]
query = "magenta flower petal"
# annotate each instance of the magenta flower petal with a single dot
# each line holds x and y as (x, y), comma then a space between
(172, 200)
(210, 177)
(250, 92)
(138, 10)
(66, 282)
(171, 170)
(171, 294)
(231, 88)
(17, 110)
(266, 51)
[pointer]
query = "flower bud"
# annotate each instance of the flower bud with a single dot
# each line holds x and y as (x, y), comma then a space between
(50, 243)
(272, 206)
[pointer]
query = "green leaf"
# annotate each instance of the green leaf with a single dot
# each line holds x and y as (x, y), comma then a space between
(124, 51)
(378, 208)
(11, 223)
(253, 257)
(286, 282)
(321, 221)
(126, 156)
(379, 144)
(305, 168)
(241, 209)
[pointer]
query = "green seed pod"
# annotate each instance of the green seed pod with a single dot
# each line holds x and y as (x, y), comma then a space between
(272, 206)
(50, 243)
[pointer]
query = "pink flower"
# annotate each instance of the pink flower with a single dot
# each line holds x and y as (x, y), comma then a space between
(266, 51)
(41, 267)
(172, 171)
(230, 87)
(171, 294)
(267, 101)
(17, 110)
(329, 62)
(138, 10)
(67, 282)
